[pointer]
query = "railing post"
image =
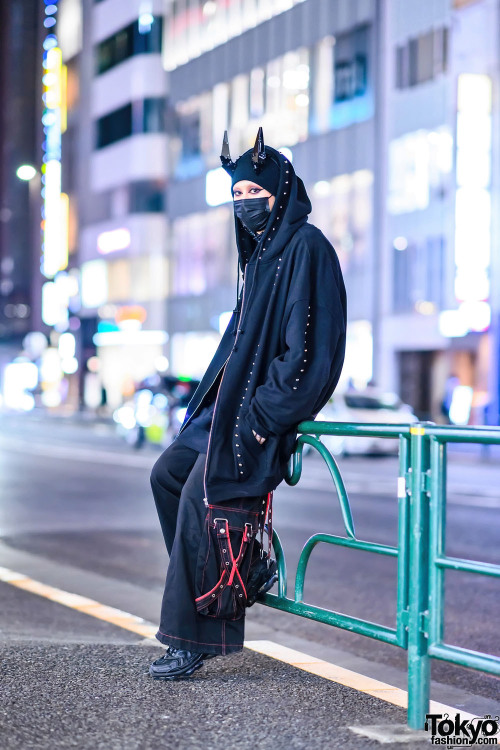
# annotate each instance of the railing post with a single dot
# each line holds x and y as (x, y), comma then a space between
(418, 658)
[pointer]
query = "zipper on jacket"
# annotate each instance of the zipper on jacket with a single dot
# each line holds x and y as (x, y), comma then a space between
(191, 416)
(220, 384)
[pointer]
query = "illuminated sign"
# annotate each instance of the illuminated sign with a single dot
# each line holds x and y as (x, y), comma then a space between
(56, 204)
(94, 283)
(116, 239)
(217, 187)
(473, 201)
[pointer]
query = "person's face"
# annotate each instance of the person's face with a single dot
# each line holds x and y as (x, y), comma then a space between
(247, 189)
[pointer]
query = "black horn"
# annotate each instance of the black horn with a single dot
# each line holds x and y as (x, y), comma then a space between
(259, 152)
(225, 157)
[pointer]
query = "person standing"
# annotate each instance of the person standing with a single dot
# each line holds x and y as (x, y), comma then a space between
(277, 364)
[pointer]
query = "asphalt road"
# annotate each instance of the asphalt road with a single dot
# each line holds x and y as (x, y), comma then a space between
(77, 498)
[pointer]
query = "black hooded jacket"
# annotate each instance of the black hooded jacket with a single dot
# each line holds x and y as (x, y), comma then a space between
(282, 353)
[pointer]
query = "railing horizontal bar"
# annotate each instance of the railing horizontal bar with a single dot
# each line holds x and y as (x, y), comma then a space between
(360, 430)
(469, 566)
(466, 658)
(452, 435)
(380, 549)
(353, 624)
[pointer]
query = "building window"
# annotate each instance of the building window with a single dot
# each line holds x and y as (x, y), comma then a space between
(422, 58)
(420, 169)
(197, 26)
(275, 96)
(145, 116)
(153, 115)
(202, 253)
(418, 275)
(134, 39)
(115, 126)
(146, 197)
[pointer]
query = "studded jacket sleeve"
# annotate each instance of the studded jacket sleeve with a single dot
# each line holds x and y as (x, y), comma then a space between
(300, 381)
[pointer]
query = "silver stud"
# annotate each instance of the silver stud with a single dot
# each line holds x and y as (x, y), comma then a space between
(223, 531)
(240, 464)
(227, 563)
(302, 370)
(213, 596)
(236, 586)
(240, 595)
(223, 550)
(241, 472)
(237, 445)
(235, 434)
(305, 360)
(294, 387)
(239, 455)
(297, 380)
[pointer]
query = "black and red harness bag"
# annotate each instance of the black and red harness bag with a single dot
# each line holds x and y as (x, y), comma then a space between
(228, 548)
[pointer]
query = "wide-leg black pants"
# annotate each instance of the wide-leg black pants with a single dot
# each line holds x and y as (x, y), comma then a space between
(178, 490)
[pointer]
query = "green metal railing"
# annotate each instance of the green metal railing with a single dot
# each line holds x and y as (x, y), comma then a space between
(420, 553)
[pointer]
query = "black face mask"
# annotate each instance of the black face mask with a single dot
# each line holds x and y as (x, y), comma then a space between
(253, 213)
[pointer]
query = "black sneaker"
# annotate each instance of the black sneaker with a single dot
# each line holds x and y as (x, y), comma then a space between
(175, 664)
(261, 578)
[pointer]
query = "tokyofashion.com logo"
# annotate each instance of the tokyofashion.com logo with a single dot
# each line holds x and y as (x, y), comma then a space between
(458, 732)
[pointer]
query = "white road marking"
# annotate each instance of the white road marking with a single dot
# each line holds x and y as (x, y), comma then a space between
(135, 624)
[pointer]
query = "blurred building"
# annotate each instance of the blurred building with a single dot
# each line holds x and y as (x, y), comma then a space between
(308, 73)
(114, 158)
(388, 111)
(440, 280)
(20, 89)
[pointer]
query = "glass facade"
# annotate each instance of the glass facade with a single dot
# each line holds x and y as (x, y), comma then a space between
(419, 273)
(420, 169)
(303, 92)
(196, 26)
(144, 116)
(134, 39)
(275, 96)
(203, 251)
(422, 58)
(342, 209)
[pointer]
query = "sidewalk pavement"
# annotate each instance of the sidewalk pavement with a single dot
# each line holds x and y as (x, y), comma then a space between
(69, 680)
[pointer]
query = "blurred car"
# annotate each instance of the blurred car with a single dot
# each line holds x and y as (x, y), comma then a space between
(156, 411)
(370, 406)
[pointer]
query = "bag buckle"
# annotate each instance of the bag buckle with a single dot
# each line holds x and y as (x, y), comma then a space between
(222, 521)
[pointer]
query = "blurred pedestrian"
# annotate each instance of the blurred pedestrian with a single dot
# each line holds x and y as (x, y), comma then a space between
(277, 364)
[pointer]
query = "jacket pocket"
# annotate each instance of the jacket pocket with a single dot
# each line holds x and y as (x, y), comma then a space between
(249, 454)
(224, 560)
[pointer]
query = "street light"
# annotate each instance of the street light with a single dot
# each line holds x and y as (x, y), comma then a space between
(26, 172)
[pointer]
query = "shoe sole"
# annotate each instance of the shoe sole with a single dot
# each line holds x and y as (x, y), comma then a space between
(268, 585)
(178, 676)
